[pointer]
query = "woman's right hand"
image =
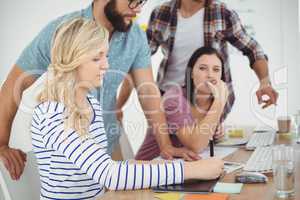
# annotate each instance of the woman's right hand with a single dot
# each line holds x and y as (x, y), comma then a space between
(219, 90)
(205, 169)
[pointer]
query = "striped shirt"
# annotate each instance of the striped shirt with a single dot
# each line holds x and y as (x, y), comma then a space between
(71, 167)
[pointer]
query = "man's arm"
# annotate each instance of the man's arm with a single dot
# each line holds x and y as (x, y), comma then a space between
(125, 91)
(34, 60)
(10, 95)
(150, 99)
(236, 34)
(261, 70)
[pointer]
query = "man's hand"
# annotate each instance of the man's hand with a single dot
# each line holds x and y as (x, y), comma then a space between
(119, 115)
(14, 161)
(169, 152)
(10, 94)
(266, 90)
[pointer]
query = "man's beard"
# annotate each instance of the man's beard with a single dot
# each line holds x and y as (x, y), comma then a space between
(115, 18)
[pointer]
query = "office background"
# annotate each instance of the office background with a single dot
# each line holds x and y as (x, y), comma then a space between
(274, 23)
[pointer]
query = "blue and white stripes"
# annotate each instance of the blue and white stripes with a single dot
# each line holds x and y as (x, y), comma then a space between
(71, 167)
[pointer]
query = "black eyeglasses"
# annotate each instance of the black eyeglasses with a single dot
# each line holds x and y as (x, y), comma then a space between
(136, 3)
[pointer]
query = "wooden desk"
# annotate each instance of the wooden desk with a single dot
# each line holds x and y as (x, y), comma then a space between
(249, 191)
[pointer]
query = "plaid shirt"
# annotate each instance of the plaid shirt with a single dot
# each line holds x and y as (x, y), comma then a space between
(221, 25)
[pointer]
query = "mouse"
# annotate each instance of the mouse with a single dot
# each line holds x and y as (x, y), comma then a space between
(251, 177)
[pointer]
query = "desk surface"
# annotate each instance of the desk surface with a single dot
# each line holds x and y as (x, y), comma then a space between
(249, 191)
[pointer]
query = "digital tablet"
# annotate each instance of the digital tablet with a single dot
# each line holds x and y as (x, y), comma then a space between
(190, 186)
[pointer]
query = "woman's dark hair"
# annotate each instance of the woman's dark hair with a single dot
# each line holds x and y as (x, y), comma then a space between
(189, 84)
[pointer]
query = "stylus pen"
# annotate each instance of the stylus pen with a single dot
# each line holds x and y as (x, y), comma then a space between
(211, 148)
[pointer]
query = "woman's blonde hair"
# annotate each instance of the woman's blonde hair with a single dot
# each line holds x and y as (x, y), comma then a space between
(74, 43)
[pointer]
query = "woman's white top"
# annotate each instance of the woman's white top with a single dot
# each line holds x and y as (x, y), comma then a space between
(71, 167)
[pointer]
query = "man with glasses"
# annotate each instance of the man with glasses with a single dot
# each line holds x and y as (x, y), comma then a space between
(128, 53)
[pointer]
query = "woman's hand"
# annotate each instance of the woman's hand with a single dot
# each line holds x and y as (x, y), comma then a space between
(205, 169)
(219, 91)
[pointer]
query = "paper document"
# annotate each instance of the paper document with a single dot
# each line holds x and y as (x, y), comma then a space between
(232, 166)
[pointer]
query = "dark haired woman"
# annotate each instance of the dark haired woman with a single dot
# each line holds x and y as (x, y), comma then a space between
(193, 112)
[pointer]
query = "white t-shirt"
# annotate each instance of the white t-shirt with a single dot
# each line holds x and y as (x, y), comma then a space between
(189, 37)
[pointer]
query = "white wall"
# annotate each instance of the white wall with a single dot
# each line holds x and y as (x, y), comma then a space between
(275, 23)
(20, 22)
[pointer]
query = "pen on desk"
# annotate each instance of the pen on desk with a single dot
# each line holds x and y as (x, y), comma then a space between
(211, 148)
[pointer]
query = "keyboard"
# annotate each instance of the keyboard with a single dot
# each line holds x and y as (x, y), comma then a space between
(260, 160)
(260, 139)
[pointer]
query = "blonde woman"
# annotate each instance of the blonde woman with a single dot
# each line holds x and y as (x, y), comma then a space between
(68, 134)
